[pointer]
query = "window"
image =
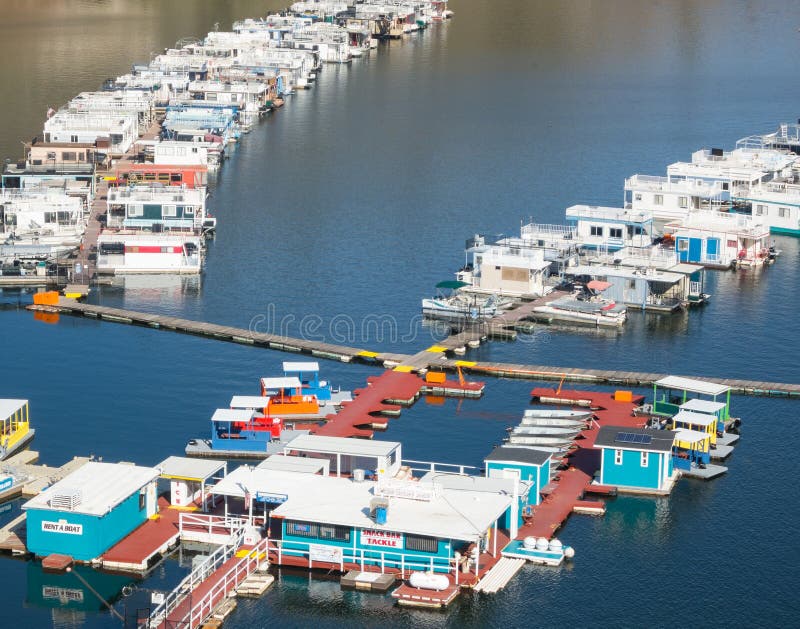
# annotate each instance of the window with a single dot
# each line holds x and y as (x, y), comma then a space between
(637, 196)
(51, 155)
(73, 139)
(683, 244)
(596, 230)
(615, 232)
(135, 210)
(69, 156)
(783, 212)
(631, 284)
(617, 457)
(142, 498)
(422, 544)
(170, 211)
(658, 199)
(321, 531)
(761, 210)
(683, 202)
(644, 459)
(50, 217)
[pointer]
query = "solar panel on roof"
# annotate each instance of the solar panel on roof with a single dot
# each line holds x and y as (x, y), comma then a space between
(630, 437)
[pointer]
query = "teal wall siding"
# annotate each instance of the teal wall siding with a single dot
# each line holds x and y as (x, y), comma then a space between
(631, 473)
(99, 533)
(530, 473)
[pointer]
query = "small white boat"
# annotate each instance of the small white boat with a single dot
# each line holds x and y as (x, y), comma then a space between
(552, 422)
(547, 431)
(557, 413)
(459, 306)
(536, 440)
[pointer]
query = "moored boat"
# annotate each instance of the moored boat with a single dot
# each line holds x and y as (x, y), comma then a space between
(15, 430)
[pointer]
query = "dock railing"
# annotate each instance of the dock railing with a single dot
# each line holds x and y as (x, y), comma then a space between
(398, 561)
(229, 581)
(432, 466)
(194, 578)
(212, 525)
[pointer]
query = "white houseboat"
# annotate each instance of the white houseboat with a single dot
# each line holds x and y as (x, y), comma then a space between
(114, 133)
(158, 208)
(610, 228)
(775, 204)
(121, 252)
(720, 239)
(673, 198)
(41, 217)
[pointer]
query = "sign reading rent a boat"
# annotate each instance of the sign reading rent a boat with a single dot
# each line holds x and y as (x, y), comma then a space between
(62, 526)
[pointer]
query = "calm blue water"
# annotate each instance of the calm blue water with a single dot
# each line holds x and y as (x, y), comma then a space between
(340, 211)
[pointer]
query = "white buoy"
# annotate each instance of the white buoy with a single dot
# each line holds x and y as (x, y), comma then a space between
(555, 545)
(542, 544)
(429, 581)
(569, 552)
(529, 543)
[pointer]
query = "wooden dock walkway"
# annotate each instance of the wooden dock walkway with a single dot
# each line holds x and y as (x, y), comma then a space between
(432, 358)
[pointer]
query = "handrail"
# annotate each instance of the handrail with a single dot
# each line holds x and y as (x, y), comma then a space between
(432, 466)
(195, 577)
(394, 559)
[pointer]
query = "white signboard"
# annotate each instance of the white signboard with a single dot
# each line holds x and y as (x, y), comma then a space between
(62, 526)
(320, 552)
(381, 538)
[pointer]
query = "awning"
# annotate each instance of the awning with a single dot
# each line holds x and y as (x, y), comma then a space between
(452, 284)
(598, 285)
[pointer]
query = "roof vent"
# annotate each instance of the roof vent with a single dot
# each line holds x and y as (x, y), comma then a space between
(67, 499)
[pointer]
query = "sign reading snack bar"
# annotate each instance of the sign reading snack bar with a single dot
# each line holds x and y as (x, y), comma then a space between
(62, 526)
(381, 538)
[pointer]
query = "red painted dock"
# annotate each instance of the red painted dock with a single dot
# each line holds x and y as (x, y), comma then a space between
(565, 493)
(138, 550)
(386, 394)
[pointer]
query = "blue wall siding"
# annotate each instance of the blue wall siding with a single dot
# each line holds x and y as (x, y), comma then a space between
(631, 473)
(99, 533)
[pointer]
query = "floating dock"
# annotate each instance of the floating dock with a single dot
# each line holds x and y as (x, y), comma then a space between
(432, 358)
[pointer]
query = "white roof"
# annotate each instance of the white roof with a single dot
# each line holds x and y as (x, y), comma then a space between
(695, 419)
(692, 385)
(690, 436)
(300, 366)
(702, 406)
(294, 464)
(102, 487)
(652, 275)
(342, 445)
(462, 514)
(249, 401)
(190, 469)
(232, 415)
(9, 407)
(492, 484)
(281, 383)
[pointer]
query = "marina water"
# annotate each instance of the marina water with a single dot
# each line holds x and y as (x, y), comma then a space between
(338, 212)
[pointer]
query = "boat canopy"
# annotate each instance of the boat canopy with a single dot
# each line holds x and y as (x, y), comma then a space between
(452, 284)
(598, 285)
(685, 435)
(280, 383)
(693, 386)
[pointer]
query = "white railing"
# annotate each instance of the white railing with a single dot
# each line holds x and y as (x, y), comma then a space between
(404, 563)
(431, 466)
(210, 524)
(230, 580)
(194, 578)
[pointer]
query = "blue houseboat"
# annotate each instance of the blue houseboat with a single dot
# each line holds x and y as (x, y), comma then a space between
(308, 374)
(90, 510)
(637, 460)
(526, 464)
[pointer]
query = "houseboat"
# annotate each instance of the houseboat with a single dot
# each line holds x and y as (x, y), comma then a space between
(112, 134)
(775, 204)
(609, 228)
(586, 306)
(158, 208)
(671, 199)
(721, 240)
(40, 216)
(672, 392)
(636, 460)
(512, 269)
(15, 427)
(128, 251)
(307, 372)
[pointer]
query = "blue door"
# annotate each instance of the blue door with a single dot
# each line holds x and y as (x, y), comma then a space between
(695, 249)
(712, 249)
(682, 247)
